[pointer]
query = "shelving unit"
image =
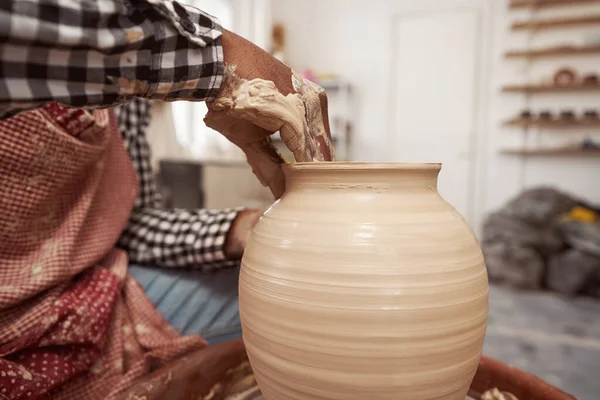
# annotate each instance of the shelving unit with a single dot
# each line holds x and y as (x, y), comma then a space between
(555, 124)
(548, 3)
(535, 25)
(531, 88)
(556, 23)
(567, 151)
(555, 51)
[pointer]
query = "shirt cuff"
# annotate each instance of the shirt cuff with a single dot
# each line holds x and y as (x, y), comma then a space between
(187, 71)
(213, 246)
(196, 25)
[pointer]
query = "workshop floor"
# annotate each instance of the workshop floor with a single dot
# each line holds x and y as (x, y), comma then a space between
(555, 338)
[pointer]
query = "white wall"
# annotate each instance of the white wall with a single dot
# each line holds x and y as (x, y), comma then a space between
(354, 38)
(251, 19)
(331, 36)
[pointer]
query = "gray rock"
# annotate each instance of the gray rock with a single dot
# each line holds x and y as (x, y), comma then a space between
(526, 237)
(582, 236)
(592, 287)
(504, 228)
(519, 267)
(540, 206)
(570, 271)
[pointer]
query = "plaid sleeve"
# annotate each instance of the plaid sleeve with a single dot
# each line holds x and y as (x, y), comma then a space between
(91, 53)
(134, 118)
(166, 237)
(178, 238)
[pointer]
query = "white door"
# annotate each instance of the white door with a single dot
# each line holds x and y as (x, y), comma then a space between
(435, 77)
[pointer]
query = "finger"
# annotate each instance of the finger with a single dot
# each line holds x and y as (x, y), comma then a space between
(266, 164)
(297, 143)
(318, 138)
(325, 146)
(256, 144)
(317, 118)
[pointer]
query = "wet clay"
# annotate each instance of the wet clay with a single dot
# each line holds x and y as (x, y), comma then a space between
(495, 394)
(363, 283)
(247, 112)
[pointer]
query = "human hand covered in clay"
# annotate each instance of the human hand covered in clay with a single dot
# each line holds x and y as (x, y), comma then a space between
(260, 96)
(239, 233)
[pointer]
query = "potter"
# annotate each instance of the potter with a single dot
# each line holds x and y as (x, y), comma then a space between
(88, 248)
(363, 283)
(347, 288)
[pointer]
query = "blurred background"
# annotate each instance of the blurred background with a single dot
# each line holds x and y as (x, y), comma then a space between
(504, 93)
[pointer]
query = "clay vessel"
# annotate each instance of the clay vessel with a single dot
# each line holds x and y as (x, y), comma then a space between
(363, 283)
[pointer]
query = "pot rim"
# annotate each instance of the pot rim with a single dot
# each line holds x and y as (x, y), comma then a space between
(360, 166)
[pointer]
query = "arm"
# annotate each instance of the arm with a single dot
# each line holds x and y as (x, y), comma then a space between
(179, 238)
(206, 239)
(260, 95)
(91, 53)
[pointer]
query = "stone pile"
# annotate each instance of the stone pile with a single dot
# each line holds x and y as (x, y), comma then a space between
(544, 239)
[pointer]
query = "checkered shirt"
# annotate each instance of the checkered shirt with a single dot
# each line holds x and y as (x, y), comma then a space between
(91, 53)
(98, 53)
(165, 237)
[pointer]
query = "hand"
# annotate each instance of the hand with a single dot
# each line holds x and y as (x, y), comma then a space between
(239, 233)
(260, 96)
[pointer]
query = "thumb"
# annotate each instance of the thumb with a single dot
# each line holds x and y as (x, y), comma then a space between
(256, 145)
(266, 165)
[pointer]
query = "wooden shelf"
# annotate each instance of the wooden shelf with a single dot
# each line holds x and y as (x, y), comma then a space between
(332, 85)
(566, 151)
(557, 124)
(555, 51)
(556, 23)
(549, 3)
(528, 88)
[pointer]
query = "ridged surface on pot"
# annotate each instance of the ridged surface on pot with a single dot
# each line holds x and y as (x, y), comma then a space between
(363, 283)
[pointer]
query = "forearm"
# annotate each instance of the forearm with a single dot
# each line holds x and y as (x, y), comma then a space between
(100, 53)
(180, 238)
(206, 239)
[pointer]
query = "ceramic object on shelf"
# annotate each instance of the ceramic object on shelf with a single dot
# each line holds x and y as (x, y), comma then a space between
(590, 79)
(546, 115)
(526, 114)
(278, 42)
(361, 282)
(591, 114)
(567, 115)
(565, 76)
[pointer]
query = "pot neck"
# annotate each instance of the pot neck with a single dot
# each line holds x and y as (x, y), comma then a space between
(362, 176)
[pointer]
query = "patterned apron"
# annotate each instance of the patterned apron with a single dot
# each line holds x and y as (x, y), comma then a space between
(73, 324)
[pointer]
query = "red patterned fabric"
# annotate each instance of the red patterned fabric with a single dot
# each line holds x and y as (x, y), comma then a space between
(73, 324)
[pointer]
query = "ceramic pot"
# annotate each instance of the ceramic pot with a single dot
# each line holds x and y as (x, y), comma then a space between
(363, 283)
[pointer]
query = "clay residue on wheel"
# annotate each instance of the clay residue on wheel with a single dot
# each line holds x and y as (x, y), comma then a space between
(495, 394)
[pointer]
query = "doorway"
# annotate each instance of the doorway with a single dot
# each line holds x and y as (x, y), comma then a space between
(436, 85)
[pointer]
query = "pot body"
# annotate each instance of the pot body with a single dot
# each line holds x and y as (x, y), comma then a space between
(363, 283)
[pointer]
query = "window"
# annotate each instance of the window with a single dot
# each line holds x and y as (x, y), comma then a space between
(201, 141)
(249, 18)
